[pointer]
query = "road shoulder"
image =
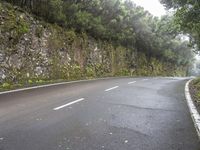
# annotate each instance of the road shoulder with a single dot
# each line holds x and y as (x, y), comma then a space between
(193, 110)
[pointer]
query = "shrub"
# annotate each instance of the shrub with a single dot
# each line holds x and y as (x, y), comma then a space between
(6, 86)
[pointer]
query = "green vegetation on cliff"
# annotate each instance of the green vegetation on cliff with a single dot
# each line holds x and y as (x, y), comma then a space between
(72, 40)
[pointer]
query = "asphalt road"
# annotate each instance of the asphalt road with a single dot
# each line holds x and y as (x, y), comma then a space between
(111, 114)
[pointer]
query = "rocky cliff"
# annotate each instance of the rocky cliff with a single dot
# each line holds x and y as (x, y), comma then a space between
(33, 51)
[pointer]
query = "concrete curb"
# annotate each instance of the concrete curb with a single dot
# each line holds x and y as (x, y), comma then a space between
(193, 111)
(57, 84)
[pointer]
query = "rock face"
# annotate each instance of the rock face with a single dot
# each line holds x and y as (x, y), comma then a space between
(31, 49)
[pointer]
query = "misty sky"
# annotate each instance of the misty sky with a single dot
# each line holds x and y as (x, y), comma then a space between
(153, 6)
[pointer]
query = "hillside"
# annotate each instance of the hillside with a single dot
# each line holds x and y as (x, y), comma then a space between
(35, 51)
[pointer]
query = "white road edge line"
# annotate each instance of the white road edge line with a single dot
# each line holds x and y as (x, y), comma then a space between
(68, 104)
(111, 88)
(193, 111)
(54, 84)
(132, 82)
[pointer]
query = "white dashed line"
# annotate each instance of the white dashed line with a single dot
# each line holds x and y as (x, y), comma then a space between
(145, 79)
(68, 104)
(111, 88)
(132, 82)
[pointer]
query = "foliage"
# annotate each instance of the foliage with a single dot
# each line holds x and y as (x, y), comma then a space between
(15, 24)
(75, 72)
(187, 16)
(6, 85)
(195, 88)
(90, 72)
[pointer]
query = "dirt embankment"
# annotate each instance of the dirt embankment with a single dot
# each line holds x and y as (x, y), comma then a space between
(195, 92)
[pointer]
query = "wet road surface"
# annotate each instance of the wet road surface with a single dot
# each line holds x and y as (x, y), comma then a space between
(111, 114)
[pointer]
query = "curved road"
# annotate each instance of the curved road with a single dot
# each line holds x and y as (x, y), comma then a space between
(110, 114)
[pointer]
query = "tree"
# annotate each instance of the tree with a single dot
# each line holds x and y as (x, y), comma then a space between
(187, 13)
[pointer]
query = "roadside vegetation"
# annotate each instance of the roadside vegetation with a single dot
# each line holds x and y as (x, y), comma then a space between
(195, 92)
(44, 41)
(195, 86)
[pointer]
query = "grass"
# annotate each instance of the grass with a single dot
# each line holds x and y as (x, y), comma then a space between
(37, 82)
(30, 83)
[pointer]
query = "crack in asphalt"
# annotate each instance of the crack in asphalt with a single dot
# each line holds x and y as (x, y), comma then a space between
(147, 108)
